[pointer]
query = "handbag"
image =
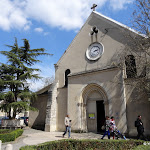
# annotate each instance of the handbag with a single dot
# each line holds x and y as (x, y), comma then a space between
(103, 127)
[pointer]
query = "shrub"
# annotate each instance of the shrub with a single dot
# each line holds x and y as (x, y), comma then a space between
(11, 136)
(3, 131)
(142, 147)
(28, 148)
(72, 144)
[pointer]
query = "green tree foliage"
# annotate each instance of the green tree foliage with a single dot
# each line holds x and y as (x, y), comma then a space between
(14, 88)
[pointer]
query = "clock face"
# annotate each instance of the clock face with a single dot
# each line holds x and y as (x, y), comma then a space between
(94, 51)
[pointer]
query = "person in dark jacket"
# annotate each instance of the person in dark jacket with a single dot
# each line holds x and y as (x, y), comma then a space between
(140, 128)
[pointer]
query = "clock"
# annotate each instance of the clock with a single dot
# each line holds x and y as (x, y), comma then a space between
(94, 51)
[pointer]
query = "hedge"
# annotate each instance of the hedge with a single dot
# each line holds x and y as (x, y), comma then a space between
(3, 131)
(32, 147)
(73, 144)
(142, 147)
(11, 136)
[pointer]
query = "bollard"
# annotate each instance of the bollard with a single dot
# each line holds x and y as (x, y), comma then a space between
(9, 147)
(0, 144)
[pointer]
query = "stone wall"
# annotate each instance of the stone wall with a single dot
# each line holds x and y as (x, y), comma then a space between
(137, 104)
(50, 122)
(37, 118)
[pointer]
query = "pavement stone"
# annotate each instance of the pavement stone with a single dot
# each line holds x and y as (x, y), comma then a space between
(33, 137)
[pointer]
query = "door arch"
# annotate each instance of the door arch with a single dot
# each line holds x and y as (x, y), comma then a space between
(93, 98)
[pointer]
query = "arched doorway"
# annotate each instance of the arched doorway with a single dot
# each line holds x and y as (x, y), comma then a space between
(100, 110)
(96, 107)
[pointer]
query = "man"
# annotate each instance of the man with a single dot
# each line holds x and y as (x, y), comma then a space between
(68, 126)
(140, 128)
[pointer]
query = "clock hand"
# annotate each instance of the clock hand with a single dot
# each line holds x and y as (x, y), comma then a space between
(96, 51)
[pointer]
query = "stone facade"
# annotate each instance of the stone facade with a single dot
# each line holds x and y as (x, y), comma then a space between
(37, 118)
(51, 108)
(88, 90)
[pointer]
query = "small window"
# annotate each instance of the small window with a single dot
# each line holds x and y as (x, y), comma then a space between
(67, 72)
(131, 71)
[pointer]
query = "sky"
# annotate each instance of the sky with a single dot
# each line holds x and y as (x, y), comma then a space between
(52, 25)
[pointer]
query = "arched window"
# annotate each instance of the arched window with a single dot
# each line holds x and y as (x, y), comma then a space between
(130, 66)
(66, 77)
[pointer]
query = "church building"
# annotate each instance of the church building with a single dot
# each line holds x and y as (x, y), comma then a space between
(90, 84)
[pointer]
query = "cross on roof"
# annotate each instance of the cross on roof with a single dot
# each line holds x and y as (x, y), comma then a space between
(93, 7)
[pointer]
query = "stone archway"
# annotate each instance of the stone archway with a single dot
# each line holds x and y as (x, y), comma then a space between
(93, 98)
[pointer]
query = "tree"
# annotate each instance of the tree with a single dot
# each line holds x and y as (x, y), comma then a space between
(14, 75)
(135, 58)
(141, 17)
(48, 80)
(141, 22)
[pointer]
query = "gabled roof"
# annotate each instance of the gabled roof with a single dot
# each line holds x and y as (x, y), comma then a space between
(117, 23)
(43, 90)
(111, 21)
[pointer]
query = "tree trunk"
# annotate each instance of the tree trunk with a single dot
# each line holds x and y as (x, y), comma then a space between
(14, 114)
(9, 113)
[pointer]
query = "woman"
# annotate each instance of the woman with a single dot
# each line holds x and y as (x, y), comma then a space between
(113, 126)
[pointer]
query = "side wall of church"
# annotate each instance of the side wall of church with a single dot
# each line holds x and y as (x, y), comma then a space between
(137, 104)
(37, 118)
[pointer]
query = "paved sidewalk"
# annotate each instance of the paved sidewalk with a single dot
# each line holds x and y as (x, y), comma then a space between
(34, 137)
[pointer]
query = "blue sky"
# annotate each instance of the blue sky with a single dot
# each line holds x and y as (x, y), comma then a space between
(52, 25)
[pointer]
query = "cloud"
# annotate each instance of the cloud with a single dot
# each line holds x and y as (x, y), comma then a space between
(26, 27)
(66, 14)
(63, 14)
(46, 71)
(41, 30)
(38, 29)
(46, 33)
(119, 4)
(12, 16)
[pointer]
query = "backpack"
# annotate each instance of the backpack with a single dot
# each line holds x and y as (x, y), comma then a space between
(135, 123)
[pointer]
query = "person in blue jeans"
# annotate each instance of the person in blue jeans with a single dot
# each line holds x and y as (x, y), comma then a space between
(68, 126)
(107, 128)
(69, 129)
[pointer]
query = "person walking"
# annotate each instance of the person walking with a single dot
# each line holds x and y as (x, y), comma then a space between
(107, 128)
(69, 129)
(140, 128)
(113, 126)
(68, 126)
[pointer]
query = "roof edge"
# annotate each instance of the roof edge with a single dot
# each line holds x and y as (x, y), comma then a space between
(120, 24)
(74, 38)
(44, 89)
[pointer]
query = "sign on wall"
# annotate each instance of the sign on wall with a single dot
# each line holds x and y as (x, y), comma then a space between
(91, 115)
